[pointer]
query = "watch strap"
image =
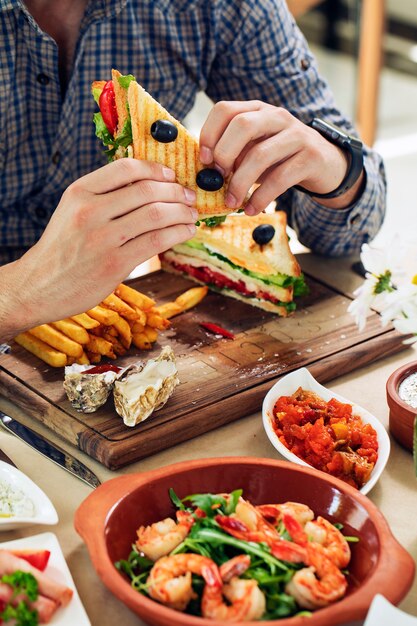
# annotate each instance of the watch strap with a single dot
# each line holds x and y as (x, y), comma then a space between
(352, 145)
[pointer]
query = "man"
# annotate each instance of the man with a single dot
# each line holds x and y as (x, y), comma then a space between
(100, 223)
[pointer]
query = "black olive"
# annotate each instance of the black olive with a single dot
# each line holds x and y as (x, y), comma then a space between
(164, 131)
(209, 179)
(263, 234)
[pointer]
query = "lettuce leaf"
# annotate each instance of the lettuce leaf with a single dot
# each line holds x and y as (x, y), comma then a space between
(123, 140)
(125, 81)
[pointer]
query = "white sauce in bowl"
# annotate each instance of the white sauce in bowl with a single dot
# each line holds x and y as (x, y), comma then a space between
(408, 390)
(14, 502)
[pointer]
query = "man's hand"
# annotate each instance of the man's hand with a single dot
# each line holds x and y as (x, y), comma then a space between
(261, 143)
(106, 223)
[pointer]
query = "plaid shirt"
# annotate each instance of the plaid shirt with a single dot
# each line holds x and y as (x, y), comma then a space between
(231, 49)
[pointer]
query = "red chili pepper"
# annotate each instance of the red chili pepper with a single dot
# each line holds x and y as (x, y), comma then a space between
(107, 104)
(217, 330)
(102, 369)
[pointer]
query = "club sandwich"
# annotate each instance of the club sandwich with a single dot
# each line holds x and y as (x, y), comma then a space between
(248, 258)
(132, 124)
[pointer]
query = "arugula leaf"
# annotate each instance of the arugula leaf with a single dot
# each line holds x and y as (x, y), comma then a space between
(175, 499)
(125, 80)
(207, 502)
(213, 221)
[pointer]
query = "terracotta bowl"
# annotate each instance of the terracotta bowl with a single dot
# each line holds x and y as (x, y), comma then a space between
(107, 521)
(401, 414)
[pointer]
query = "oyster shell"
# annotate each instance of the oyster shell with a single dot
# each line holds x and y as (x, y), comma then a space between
(87, 392)
(145, 387)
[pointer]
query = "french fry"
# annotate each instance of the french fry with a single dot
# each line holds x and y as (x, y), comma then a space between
(57, 340)
(141, 315)
(110, 330)
(72, 330)
(133, 297)
(93, 357)
(118, 348)
(168, 310)
(103, 315)
(154, 320)
(125, 334)
(83, 360)
(98, 332)
(138, 327)
(141, 341)
(150, 333)
(114, 303)
(100, 346)
(85, 321)
(191, 297)
(41, 349)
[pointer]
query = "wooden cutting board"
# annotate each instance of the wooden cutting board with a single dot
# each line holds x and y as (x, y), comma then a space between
(221, 379)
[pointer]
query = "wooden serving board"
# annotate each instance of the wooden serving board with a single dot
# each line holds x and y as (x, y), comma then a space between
(221, 379)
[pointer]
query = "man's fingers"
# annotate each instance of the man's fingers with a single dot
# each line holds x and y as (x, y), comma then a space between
(123, 172)
(243, 129)
(258, 160)
(142, 193)
(144, 247)
(217, 121)
(281, 178)
(155, 216)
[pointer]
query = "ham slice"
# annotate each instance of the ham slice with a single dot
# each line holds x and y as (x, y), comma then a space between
(10, 563)
(44, 606)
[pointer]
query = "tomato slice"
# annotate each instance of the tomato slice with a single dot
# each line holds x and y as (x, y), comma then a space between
(107, 104)
(37, 558)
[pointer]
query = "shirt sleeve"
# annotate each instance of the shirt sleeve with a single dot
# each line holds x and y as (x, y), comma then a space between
(262, 54)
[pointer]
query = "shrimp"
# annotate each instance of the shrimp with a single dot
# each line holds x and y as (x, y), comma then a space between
(273, 512)
(245, 601)
(321, 532)
(319, 584)
(161, 538)
(247, 523)
(169, 580)
(335, 546)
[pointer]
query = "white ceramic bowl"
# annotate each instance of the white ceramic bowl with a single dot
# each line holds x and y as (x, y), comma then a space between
(44, 510)
(287, 385)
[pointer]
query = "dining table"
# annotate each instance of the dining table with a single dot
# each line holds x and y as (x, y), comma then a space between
(395, 493)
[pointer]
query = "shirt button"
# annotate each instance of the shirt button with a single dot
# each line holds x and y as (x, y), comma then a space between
(354, 219)
(40, 212)
(56, 157)
(43, 79)
(305, 64)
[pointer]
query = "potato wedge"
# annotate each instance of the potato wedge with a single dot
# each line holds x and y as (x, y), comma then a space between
(85, 321)
(141, 341)
(41, 349)
(168, 310)
(191, 297)
(114, 303)
(100, 346)
(72, 330)
(103, 315)
(57, 340)
(125, 334)
(133, 297)
(155, 320)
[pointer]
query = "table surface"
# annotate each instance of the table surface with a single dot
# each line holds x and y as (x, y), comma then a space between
(394, 493)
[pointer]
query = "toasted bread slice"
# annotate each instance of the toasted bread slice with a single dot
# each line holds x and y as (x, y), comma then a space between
(181, 155)
(233, 240)
(121, 101)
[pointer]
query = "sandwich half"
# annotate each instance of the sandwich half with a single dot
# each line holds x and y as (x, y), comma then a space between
(247, 258)
(132, 124)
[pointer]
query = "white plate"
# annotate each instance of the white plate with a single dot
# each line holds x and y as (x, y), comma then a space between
(73, 614)
(45, 512)
(383, 613)
(287, 385)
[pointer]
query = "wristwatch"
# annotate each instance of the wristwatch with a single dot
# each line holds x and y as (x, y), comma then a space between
(351, 144)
